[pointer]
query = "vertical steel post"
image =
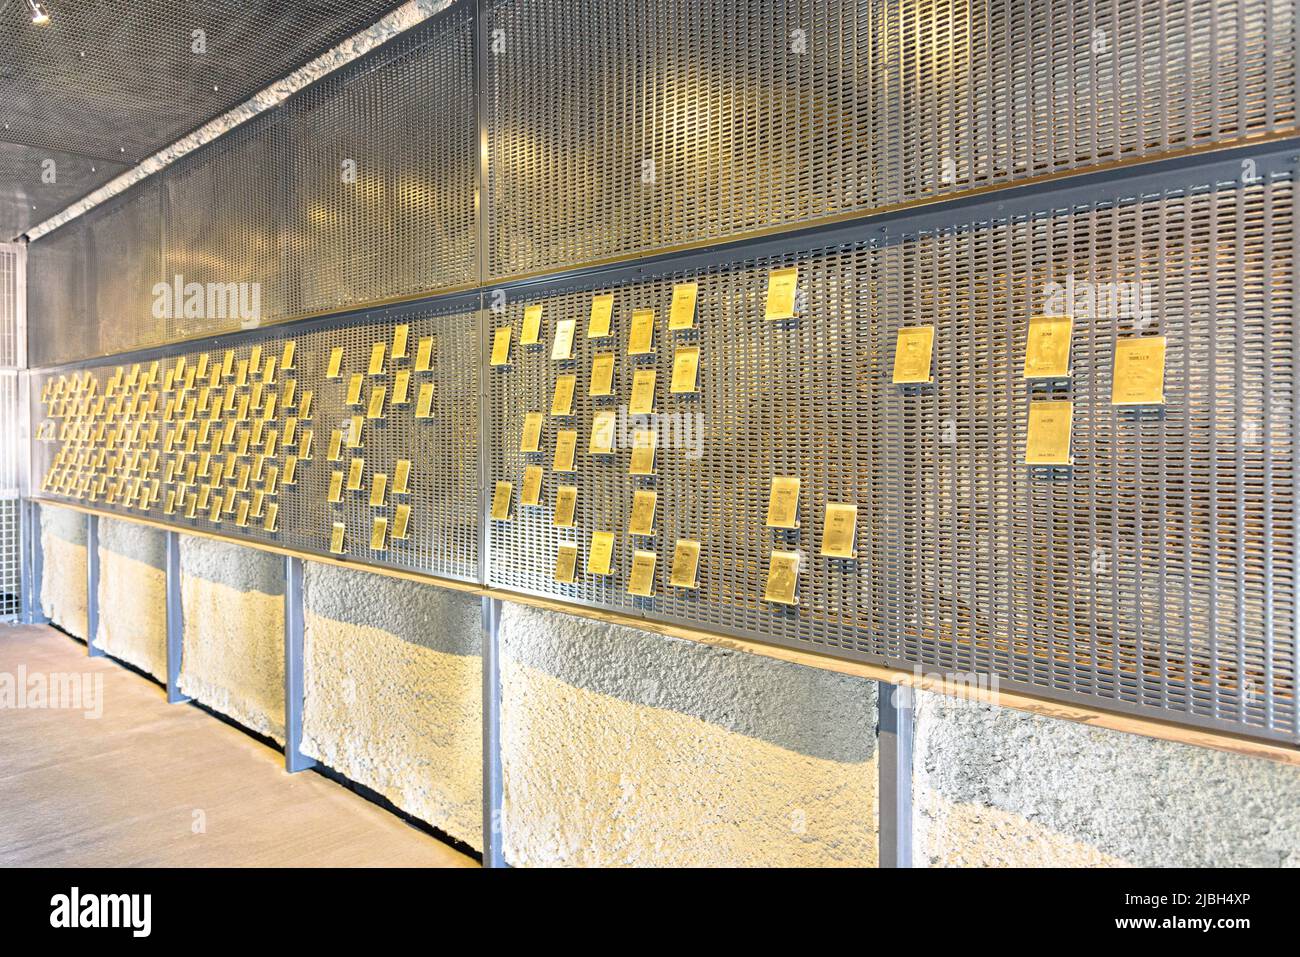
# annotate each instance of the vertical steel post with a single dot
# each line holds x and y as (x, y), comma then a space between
(493, 855)
(175, 620)
(92, 585)
(294, 759)
(32, 561)
(894, 762)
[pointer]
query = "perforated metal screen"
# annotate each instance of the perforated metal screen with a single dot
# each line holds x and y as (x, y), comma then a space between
(105, 436)
(12, 436)
(358, 190)
(1157, 572)
(617, 128)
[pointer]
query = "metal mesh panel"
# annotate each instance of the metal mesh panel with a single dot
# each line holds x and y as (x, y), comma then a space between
(126, 250)
(621, 127)
(442, 448)
(225, 208)
(385, 165)
(1157, 573)
(60, 327)
(11, 280)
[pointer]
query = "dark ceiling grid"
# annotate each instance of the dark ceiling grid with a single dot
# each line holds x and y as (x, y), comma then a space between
(107, 83)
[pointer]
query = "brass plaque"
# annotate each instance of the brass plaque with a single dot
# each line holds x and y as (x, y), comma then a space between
(1047, 348)
(686, 364)
(643, 512)
(686, 562)
(354, 389)
(336, 538)
(600, 555)
(913, 351)
(531, 437)
(839, 530)
(643, 452)
(401, 334)
(532, 325)
(356, 468)
(423, 359)
(1050, 425)
(562, 399)
(783, 502)
(562, 347)
(602, 374)
(378, 490)
(641, 580)
(286, 358)
(682, 313)
(379, 534)
(424, 404)
(640, 340)
(401, 521)
(1139, 373)
(402, 477)
(501, 501)
(401, 387)
(602, 311)
(643, 393)
(566, 502)
(782, 289)
(566, 563)
(375, 408)
(376, 366)
(602, 432)
(782, 578)
(531, 493)
(501, 346)
(566, 443)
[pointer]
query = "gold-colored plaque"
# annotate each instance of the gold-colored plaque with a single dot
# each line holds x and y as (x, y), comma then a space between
(566, 563)
(377, 359)
(501, 501)
(643, 393)
(259, 498)
(401, 387)
(566, 443)
(354, 389)
(1139, 373)
(290, 471)
(641, 580)
(686, 563)
(401, 334)
(272, 515)
(643, 452)
(401, 521)
(562, 399)
(336, 445)
(641, 338)
(566, 502)
(783, 502)
(602, 432)
(286, 358)
(782, 289)
(402, 477)
(423, 359)
(379, 534)
(562, 347)
(600, 555)
(1048, 438)
(531, 493)
(227, 363)
(375, 409)
(532, 325)
(913, 351)
(501, 346)
(682, 313)
(602, 311)
(355, 469)
(336, 538)
(1047, 348)
(304, 444)
(304, 404)
(782, 578)
(424, 404)
(602, 374)
(241, 513)
(378, 490)
(643, 512)
(531, 437)
(686, 364)
(839, 530)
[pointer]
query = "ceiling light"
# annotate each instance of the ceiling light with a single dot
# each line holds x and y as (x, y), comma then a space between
(39, 15)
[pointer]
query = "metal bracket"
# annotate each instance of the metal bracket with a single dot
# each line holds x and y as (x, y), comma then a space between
(92, 585)
(493, 854)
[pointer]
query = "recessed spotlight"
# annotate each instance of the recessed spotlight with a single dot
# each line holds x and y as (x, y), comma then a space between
(39, 14)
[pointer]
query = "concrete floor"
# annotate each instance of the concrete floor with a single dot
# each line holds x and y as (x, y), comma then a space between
(152, 784)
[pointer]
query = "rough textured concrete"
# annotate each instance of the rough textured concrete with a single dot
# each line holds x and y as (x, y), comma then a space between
(232, 601)
(63, 569)
(133, 595)
(403, 18)
(621, 747)
(392, 692)
(997, 787)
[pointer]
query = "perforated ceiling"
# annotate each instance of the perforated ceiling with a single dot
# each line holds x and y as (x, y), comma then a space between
(106, 83)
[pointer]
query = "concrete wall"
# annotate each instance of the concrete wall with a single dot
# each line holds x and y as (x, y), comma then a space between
(63, 568)
(393, 691)
(232, 601)
(993, 787)
(133, 595)
(621, 747)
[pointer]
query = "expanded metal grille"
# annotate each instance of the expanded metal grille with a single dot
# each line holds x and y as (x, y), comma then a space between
(60, 326)
(126, 244)
(115, 446)
(619, 127)
(1156, 573)
(359, 190)
(384, 167)
(12, 436)
(225, 210)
